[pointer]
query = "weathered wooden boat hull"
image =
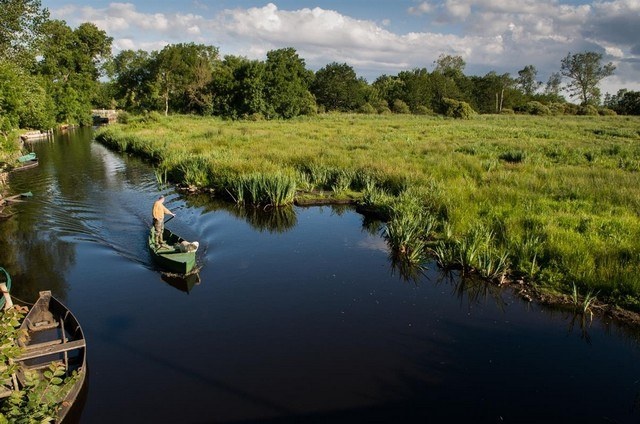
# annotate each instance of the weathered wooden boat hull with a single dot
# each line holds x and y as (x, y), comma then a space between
(170, 258)
(4, 278)
(54, 336)
(26, 165)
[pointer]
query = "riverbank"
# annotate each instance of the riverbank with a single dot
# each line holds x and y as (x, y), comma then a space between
(9, 151)
(548, 200)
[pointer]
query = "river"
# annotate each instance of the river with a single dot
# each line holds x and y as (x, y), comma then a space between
(298, 315)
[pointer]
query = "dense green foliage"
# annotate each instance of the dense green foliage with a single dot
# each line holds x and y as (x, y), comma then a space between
(49, 72)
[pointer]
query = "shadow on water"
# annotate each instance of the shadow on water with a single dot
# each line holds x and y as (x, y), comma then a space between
(180, 282)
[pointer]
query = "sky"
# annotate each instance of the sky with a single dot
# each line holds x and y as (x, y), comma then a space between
(378, 37)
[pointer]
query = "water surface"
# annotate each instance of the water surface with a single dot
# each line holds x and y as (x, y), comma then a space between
(298, 315)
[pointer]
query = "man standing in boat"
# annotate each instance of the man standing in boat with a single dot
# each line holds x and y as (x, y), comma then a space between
(158, 212)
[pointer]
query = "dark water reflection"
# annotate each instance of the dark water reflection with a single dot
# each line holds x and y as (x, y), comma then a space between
(297, 315)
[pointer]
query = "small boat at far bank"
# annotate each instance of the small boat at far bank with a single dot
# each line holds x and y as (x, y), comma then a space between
(26, 162)
(53, 338)
(176, 254)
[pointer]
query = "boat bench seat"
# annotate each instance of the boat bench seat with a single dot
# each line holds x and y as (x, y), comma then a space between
(47, 348)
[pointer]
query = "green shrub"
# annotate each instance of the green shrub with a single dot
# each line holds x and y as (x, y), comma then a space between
(457, 109)
(570, 109)
(556, 108)
(123, 117)
(537, 108)
(605, 111)
(587, 110)
(367, 108)
(400, 107)
(423, 110)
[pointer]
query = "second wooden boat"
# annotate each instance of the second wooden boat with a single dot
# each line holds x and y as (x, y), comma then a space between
(175, 255)
(27, 161)
(54, 336)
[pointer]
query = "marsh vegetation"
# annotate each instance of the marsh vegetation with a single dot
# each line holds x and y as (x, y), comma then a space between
(552, 200)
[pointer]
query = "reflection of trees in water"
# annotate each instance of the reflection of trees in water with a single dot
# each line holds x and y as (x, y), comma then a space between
(35, 263)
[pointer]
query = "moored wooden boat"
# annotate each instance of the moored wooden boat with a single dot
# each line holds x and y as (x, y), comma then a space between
(54, 336)
(27, 161)
(175, 255)
(27, 158)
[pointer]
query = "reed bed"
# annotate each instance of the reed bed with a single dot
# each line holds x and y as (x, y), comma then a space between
(554, 200)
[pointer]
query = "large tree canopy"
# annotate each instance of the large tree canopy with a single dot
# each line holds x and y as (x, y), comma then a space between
(337, 87)
(20, 30)
(72, 62)
(183, 73)
(585, 72)
(287, 82)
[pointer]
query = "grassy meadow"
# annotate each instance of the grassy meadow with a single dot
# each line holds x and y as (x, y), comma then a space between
(552, 200)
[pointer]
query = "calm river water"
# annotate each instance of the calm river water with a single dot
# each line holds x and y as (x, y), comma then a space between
(299, 316)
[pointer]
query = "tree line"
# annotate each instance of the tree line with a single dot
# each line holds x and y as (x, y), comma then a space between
(51, 73)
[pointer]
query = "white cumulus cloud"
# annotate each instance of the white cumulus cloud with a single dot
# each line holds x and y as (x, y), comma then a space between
(500, 35)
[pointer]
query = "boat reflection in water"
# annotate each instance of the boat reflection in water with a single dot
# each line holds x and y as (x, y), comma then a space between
(183, 283)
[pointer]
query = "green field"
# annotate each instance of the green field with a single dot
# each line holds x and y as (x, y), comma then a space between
(552, 200)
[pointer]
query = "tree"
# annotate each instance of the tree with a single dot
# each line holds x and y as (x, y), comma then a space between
(417, 90)
(183, 74)
(287, 83)
(72, 63)
(23, 101)
(238, 88)
(527, 80)
(491, 92)
(625, 102)
(337, 87)
(449, 81)
(554, 84)
(387, 88)
(585, 72)
(133, 79)
(449, 65)
(20, 30)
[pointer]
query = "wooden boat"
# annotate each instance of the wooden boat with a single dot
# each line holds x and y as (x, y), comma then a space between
(176, 254)
(6, 279)
(27, 161)
(27, 158)
(54, 336)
